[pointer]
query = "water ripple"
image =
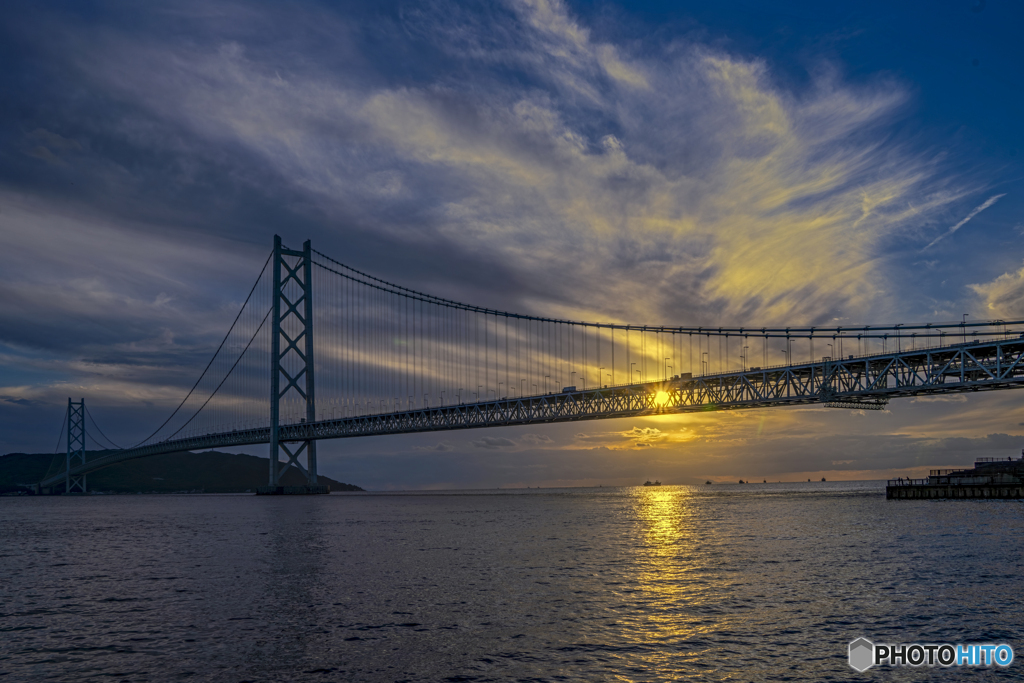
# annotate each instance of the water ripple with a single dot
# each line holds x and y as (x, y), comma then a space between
(753, 583)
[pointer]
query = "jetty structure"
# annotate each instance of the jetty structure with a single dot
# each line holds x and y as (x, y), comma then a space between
(990, 478)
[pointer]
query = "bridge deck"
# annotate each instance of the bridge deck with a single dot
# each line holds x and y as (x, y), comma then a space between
(866, 381)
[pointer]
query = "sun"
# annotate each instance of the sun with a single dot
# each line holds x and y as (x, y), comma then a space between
(660, 399)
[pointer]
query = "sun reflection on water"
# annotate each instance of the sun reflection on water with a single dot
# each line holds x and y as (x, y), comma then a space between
(676, 596)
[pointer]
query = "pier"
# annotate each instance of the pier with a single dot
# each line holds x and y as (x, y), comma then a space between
(993, 478)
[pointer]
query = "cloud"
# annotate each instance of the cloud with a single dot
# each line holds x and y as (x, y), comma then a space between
(552, 170)
(1004, 296)
(645, 436)
(602, 439)
(569, 49)
(439, 448)
(536, 439)
(953, 398)
(17, 400)
(631, 197)
(644, 432)
(493, 442)
(974, 212)
(633, 437)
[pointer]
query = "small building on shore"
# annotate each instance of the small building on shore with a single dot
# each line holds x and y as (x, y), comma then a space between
(990, 478)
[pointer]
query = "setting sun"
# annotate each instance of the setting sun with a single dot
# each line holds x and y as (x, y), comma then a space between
(660, 399)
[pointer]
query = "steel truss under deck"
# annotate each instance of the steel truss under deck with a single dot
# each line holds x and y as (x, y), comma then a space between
(866, 382)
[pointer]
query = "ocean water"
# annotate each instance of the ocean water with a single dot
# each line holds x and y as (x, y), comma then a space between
(760, 582)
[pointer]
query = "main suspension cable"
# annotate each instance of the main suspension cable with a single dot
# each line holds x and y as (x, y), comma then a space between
(93, 421)
(228, 374)
(63, 424)
(868, 331)
(215, 353)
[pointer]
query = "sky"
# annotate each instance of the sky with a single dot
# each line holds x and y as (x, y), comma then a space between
(733, 163)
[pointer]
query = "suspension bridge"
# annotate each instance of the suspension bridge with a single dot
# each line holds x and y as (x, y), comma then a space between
(393, 360)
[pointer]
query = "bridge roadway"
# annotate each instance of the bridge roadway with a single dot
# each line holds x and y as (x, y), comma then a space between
(867, 382)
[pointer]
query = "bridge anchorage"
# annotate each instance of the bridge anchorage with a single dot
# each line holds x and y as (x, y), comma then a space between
(393, 360)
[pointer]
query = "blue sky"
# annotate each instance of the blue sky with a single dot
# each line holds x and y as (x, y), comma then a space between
(661, 163)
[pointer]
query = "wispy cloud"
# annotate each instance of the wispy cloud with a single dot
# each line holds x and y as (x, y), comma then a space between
(664, 187)
(552, 169)
(1003, 297)
(441, 447)
(974, 212)
(493, 442)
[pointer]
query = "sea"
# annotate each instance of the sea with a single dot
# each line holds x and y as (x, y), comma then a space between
(728, 582)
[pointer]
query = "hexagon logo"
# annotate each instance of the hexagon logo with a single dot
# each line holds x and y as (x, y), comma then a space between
(862, 654)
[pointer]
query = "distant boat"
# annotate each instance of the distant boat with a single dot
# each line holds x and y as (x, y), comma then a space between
(648, 483)
(823, 478)
(742, 482)
(708, 482)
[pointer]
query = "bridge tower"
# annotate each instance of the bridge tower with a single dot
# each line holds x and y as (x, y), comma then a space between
(291, 360)
(76, 446)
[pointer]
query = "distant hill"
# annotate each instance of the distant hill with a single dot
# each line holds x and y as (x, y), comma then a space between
(209, 472)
